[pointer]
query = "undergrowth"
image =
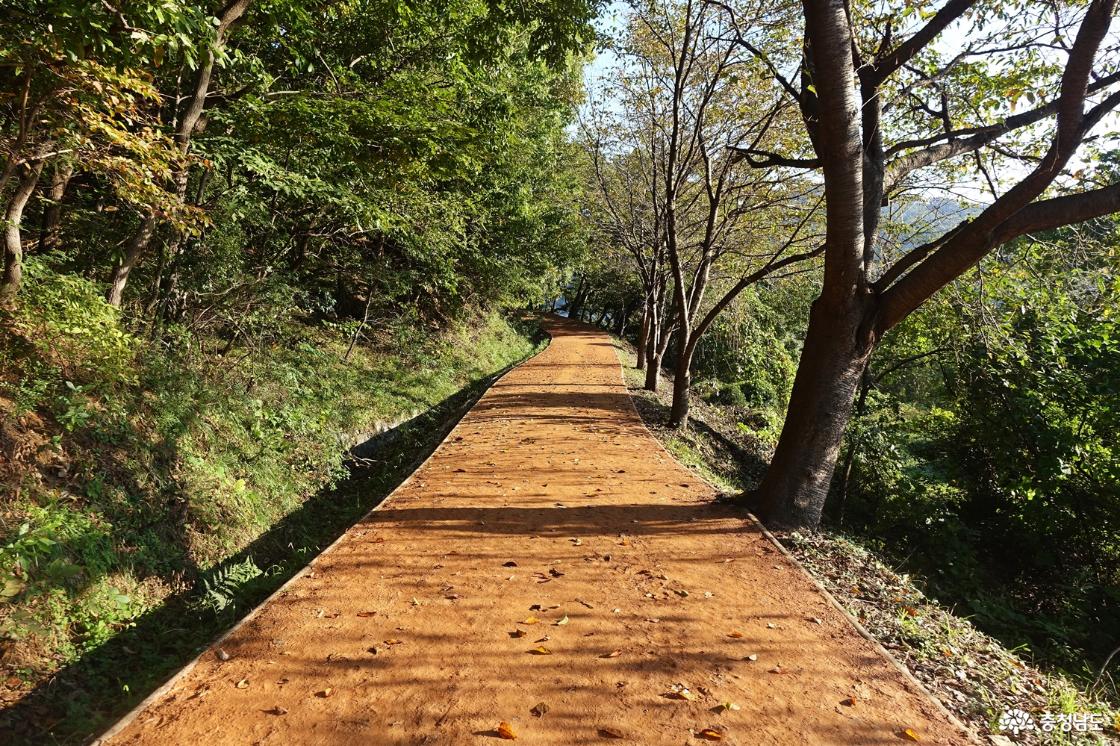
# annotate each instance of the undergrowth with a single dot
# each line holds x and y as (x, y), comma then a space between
(972, 673)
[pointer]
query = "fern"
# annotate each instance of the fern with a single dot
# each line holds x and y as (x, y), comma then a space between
(224, 584)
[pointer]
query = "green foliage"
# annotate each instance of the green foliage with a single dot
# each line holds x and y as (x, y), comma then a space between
(974, 446)
(754, 345)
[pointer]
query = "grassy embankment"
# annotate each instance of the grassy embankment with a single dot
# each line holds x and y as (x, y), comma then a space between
(152, 493)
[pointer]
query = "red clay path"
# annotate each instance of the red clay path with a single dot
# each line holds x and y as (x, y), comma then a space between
(550, 502)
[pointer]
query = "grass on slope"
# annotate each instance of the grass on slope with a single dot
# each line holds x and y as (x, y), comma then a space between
(150, 493)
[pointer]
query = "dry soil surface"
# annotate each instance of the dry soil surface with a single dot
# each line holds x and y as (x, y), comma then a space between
(549, 556)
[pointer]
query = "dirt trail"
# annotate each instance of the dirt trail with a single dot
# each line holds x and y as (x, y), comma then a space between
(400, 634)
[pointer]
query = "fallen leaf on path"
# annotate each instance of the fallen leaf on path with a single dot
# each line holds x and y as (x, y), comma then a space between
(815, 620)
(324, 693)
(849, 702)
(394, 641)
(505, 730)
(546, 638)
(725, 707)
(680, 691)
(776, 669)
(366, 614)
(710, 734)
(518, 633)
(736, 635)
(243, 684)
(222, 655)
(611, 733)
(541, 650)
(910, 735)
(581, 601)
(539, 709)
(278, 710)
(612, 654)
(771, 625)
(561, 622)
(529, 620)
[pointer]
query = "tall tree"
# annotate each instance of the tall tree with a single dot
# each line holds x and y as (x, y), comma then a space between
(685, 102)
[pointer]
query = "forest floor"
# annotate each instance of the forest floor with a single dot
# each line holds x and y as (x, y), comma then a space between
(550, 573)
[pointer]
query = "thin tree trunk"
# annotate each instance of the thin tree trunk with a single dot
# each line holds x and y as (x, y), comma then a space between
(653, 371)
(643, 334)
(653, 355)
(576, 304)
(682, 386)
(361, 325)
(52, 213)
(188, 122)
(135, 248)
(653, 363)
(13, 240)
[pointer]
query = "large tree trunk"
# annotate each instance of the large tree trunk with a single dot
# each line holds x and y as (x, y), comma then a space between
(13, 240)
(841, 331)
(837, 347)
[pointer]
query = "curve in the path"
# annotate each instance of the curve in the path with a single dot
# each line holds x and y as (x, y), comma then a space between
(549, 501)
